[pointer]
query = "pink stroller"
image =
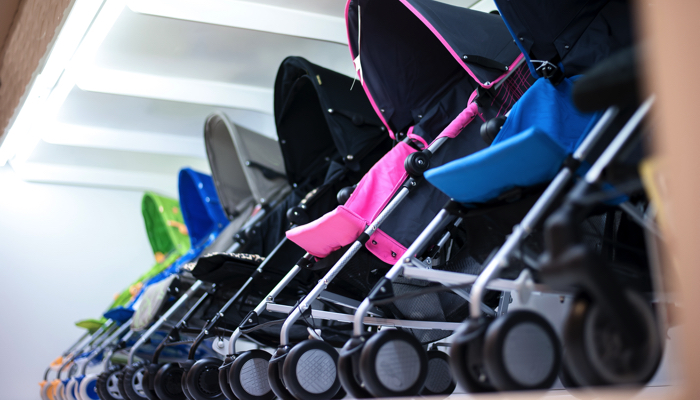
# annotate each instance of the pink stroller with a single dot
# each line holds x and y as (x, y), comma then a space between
(433, 73)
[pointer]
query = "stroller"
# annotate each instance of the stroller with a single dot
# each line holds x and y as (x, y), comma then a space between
(329, 137)
(214, 227)
(429, 69)
(353, 131)
(169, 240)
(520, 350)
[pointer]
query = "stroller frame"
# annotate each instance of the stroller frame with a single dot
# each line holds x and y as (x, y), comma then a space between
(411, 267)
(322, 285)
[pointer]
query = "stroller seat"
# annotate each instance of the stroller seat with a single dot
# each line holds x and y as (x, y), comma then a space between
(527, 159)
(544, 127)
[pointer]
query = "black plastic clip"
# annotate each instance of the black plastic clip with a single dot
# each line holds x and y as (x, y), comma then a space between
(250, 321)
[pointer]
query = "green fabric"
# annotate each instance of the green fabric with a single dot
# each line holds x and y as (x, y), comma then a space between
(166, 234)
(91, 325)
(163, 220)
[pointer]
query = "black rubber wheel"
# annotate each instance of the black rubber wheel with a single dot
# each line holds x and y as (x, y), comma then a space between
(223, 379)
(340, 395)
(393, 364)
(348, 368)
(439, 381)
(599, 353)
(310, 371)
(108, 384)
(274, 375)
(202, 380)
(467, 357)
(133, 382)
(166, 383)
(149, 374)
(565, 376)
(521, 352)
(183, 382)
(248, 376)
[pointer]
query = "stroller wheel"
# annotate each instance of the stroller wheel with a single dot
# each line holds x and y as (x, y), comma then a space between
(599, 353)
(223, 379)
(340, 395)
(88, 388)
(439, 380)
(71, 389)
(467, 358)
(51, 389)
(248, 376)
(44, 390)
(565, 376)
(183, 385)
(166, 383)
(149, 373)
(202, 380)
(108, 384)
(521, 352)
(310, 370)
(348, 372)
(274, 375)
(59, 390)
(393, 364)
(134, 384)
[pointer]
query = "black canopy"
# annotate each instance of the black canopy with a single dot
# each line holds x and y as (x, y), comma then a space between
(574, 34)
(321, 116)
(414, 52)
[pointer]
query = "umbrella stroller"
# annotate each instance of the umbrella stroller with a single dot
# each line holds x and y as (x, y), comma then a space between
(329, 137)
(544, 132)
(263, 237)
(430, 70)
(207, 223)
(169, 240)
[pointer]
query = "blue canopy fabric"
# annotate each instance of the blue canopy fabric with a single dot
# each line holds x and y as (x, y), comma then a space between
(201, 209)
(541, 130)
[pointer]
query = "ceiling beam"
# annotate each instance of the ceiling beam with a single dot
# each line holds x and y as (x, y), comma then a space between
(125, 140)
(248, 15)
(186, 90)
(96, 177)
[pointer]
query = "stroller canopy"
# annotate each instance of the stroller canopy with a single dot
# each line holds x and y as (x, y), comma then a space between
(164, 225)
(247, 167)
(321, 115)
(570, 34)
(410, 54)
(200, 206)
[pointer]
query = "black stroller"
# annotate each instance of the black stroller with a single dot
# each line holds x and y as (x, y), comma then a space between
(329, 137)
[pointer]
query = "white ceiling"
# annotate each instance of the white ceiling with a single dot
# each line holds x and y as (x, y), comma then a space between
(132, 81)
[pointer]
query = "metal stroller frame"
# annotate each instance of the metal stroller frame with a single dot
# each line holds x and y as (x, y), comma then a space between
(477, 351)
(163, 226)
(288, 361)
(264, 185)
(347, 138)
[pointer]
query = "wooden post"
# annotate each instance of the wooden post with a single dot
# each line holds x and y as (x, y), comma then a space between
(28, 39)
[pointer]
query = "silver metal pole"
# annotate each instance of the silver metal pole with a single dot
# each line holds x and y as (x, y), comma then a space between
(537, 211)
(333, 272)
(104, 345)
(270, 298)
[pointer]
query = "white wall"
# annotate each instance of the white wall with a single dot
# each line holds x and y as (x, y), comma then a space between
(64, 251)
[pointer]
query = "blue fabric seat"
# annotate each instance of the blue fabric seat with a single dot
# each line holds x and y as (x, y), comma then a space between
(542, 129)
(527, 159)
